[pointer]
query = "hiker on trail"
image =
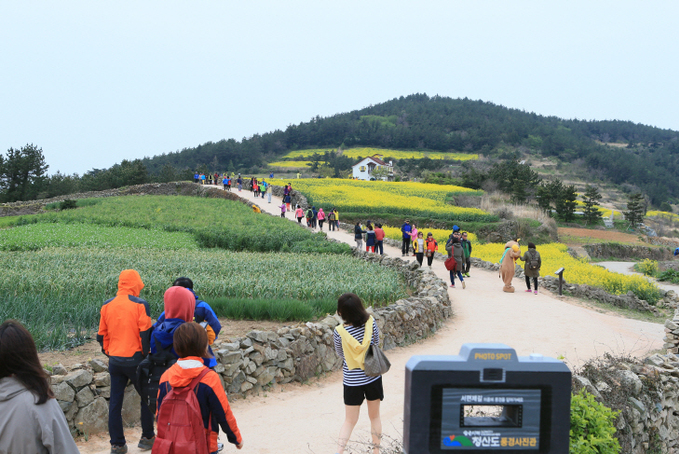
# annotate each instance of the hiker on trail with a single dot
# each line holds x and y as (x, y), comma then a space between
(124, 334)
(309, 217)
(379, 238)
(430, 245)
(299, 214)
(413, 234)
(286, 190)
(31, 420)
(321, 218)
(209, 179)
(351, 344)
(269, 191)
(216, 178)
(282, 207)
(288, 201)
(467, 246)
(205, 389)
(507, 262)
(458, 253)
(532, 268)
(419, 248)
(196, 177)
(334, 210)
(202, 314)
(202, 178)
(240, 183)
(331, 220)
(179, 307)
(358, 235)
(314, 219)
(263, 187)
(370, 239)
(226, 182)
(405, 230)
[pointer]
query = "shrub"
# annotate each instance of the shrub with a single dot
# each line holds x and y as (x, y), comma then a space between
(68, 204)
(648, 267)
(670, 275)
(592, 426)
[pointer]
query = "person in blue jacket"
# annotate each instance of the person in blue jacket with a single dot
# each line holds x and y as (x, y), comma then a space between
(406, 229)
(203, 314)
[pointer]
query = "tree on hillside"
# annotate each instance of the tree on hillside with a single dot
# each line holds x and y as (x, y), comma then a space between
(22, 173)
(515, 178)
(566, 203)
(636, 210)
(547, 194)
(591, 199)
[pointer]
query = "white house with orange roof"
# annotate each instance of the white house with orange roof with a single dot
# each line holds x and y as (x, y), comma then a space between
(365, 168)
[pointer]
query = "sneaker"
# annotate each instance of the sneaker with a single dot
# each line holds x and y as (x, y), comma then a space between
(452, 286)
(464, 286)
(466, 274)
(536, 292)
(117, 449)
(146, 443)
(529, 290)
(220, 447)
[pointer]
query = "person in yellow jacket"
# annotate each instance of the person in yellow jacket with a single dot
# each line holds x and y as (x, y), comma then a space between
(351, 344)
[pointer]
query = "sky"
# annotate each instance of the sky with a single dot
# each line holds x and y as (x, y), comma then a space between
(93, 83)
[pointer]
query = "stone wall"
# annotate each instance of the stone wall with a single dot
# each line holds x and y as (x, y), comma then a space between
(627, 252)
(647, 393)
(252, 363)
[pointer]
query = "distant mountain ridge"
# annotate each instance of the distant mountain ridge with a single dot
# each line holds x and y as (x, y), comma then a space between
(649, 159)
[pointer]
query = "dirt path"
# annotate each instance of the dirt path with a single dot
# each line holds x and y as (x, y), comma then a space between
(628, 268)
(307, 418)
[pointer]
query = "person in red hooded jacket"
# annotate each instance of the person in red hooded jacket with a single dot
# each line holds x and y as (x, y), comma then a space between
(124, 332)
(190, 343)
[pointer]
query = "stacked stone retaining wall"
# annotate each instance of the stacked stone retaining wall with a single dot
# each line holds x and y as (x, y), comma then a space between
(256, 361)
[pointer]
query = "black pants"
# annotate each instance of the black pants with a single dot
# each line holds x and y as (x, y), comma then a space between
(379, 245)
(119, 378)
(467, 265)
(419, 256)
(331, 225)
(320, 223)
(430, 259)
(535, 282)
(405, 246)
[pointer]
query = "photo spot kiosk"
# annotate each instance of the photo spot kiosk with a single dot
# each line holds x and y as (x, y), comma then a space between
(486, 399)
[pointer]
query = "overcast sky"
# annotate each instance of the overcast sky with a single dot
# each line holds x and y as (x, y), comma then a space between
(94, 82)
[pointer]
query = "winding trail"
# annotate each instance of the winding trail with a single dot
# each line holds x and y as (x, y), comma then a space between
(307, 418)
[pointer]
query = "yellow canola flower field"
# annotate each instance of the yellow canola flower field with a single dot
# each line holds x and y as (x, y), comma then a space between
(663, 214)
(577, 271)
(291, 164)
(387, 153)
(440, 235)
(375, 197)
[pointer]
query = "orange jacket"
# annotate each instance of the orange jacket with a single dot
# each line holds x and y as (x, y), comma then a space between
(125, 323)
(214, 405)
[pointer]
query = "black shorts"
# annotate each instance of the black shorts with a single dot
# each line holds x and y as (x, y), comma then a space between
(354, 395)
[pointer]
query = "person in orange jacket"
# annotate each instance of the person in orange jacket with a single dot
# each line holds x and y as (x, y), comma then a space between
(190, 343)
(124, 334)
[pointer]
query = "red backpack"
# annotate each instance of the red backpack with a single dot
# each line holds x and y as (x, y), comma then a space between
(180, 423)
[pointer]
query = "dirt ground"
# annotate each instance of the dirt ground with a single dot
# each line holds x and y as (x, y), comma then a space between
(306, 418)
(92, 350)
(586, 236)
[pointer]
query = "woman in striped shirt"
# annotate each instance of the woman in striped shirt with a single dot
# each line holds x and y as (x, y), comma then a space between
(358, 386)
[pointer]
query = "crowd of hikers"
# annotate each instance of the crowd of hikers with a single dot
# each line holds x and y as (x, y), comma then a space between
(170, 363)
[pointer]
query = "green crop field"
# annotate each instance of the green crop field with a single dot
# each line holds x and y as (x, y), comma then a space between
(59, 267)
(214, 223)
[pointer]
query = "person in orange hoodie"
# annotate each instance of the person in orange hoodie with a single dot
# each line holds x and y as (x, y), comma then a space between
(124, 333)
(190, 343)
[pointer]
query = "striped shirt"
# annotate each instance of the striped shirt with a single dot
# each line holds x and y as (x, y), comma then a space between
(355, 377)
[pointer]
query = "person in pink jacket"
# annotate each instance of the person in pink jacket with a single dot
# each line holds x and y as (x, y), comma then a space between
(321, 217)
(299, 214)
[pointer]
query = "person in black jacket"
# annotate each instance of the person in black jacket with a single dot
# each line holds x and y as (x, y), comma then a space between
(358, 235)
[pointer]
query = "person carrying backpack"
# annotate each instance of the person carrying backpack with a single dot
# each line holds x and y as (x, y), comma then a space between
(179, 308)
(309, 217)
(203, 315)
(331, 220)
(124, 334)
(532, 267)
(192, 404)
